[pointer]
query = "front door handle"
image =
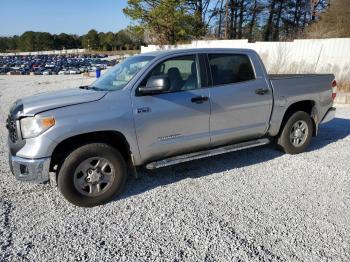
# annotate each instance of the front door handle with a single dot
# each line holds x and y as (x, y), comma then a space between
(261, 91)
(199, 99)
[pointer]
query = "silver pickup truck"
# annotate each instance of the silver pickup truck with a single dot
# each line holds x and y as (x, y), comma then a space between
(160, 109)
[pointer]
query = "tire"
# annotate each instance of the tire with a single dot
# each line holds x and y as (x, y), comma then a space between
(293, 140)
(92, 175)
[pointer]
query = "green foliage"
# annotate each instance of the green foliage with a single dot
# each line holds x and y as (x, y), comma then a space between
(106, 41)
(174, 21)
(38, 41)
(164, 21)
(34, 41)
(171, 21)
(66, 41)
(123, 41)
(202, 15)
(8, 43)
(136, 34)
(3, 44)
(91, 40)
(26, 41)
(44, 41)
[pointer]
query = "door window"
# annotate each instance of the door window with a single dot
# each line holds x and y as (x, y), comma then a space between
(181, 71)
(230, 68)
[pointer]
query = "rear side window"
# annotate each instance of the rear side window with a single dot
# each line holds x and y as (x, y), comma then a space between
(230, 68)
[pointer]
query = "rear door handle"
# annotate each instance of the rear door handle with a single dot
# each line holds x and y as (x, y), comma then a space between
(261, 91)
(199, 99)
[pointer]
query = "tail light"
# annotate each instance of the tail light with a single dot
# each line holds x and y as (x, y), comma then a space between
(334, 89)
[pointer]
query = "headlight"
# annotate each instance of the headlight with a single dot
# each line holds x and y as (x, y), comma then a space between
(34, 126)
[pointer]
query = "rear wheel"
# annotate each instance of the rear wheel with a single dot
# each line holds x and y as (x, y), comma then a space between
(296, 134)
(92, 174)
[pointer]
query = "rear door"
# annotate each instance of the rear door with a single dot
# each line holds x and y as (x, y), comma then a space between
(175, 121)
(241, 99)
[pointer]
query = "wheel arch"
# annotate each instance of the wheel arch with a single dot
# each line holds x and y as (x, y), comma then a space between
(307, 106)
(112, 138)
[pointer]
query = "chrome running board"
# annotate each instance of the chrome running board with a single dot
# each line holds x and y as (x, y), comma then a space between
(206, 153)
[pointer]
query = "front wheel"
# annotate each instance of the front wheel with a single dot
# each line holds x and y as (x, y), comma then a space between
(296, 134)
(92, 174)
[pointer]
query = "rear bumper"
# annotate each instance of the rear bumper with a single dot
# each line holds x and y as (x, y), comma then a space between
(33, 170)
(329, 115)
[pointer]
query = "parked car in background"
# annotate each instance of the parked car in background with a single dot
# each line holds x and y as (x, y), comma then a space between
(63, 72)
(47, 72)
(161, 109)
(74, 71)
(42, 63)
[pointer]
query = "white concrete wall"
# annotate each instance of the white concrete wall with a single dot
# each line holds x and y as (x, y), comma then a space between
(53, 52)
(299, 56)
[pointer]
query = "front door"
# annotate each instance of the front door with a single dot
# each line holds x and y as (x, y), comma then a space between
(175, 121)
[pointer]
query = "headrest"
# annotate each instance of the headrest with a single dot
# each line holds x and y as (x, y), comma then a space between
(193, 69)
(173, 72)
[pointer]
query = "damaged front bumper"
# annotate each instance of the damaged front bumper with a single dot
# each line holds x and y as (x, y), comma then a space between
(32, 170)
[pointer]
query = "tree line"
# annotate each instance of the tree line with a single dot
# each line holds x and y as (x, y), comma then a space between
(29, 41)
(172, 21)
(178, 21)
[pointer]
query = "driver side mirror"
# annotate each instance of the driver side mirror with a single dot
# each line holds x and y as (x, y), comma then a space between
(155, 84)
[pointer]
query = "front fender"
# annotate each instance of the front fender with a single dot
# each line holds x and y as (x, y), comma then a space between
(112, 113)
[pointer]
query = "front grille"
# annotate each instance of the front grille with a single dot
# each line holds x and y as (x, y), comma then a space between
(12, 128)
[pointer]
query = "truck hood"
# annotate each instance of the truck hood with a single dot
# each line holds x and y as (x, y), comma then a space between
(50, 100)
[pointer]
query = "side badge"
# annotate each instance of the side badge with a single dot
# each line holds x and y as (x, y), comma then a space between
(143, 110)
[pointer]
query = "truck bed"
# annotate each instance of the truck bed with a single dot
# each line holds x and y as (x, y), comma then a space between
(291, 88)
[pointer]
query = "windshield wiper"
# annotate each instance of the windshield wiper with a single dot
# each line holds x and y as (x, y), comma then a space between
(90, 88)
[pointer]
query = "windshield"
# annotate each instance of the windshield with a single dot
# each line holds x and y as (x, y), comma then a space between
(120, 75)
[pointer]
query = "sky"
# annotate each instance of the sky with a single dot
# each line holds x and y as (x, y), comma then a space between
(61, 16)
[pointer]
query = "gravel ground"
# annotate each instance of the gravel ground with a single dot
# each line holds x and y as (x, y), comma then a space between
(253, 205)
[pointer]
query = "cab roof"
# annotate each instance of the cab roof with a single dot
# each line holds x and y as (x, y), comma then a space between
(197, 50)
